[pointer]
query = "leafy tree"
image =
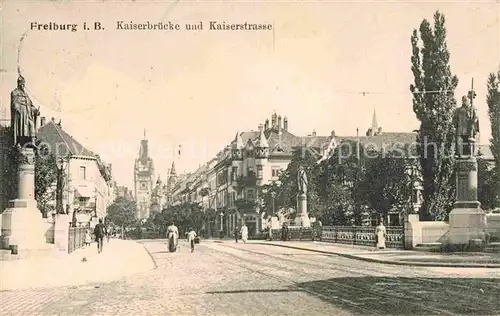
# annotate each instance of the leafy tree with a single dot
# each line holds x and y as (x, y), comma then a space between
(123, 212)
(45, 176)
(434, 103)
(289, 188)
(493, 101)
(386, 183)
(340, 184)
(487, 185)
(45, 180)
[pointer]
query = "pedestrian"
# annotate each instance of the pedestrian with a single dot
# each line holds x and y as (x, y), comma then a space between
(99, 233)
(284, 232)
(244, 233)
(380, 233)
(88, 238)
(236, 233)
(191, 237)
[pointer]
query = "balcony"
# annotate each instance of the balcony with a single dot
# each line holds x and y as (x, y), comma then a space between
(246, 204)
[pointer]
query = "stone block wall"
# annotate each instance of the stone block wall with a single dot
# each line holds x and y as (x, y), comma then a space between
(5, 144)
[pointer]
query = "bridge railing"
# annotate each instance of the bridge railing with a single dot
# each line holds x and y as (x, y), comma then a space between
(350, 235)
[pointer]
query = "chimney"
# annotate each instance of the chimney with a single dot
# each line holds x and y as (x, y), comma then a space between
(369, 132)
(260, 127)
(266, 126)
(42, 121)
(314, 133)
(332, 134)
(379, 131)
(285, 123)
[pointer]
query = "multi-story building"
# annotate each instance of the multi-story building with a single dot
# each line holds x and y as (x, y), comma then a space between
(143, 180)
(88, 182)
(229, 184)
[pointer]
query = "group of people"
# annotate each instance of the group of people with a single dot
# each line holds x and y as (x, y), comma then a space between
(100, 232)
(173, 238)
(241, 231)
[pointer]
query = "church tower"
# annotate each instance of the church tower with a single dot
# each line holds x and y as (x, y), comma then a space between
(172, 180)
(143, 179)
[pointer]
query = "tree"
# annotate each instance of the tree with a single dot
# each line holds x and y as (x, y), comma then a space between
(45, 177)
(434, 103)
(339, 184)
(493, 101)
(45, 180)
(123, 212)
(487, 185)
(289, 189)
(386, 184)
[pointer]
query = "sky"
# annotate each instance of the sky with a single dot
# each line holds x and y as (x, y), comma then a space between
(198, 88)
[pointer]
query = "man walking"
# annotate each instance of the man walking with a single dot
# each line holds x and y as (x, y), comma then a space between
(99, 232)
(190, 238)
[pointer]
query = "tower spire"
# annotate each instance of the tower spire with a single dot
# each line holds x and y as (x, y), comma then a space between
(374, 123)
(144, 133)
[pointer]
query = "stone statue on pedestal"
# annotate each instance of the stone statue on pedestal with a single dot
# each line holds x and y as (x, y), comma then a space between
(466, 126)
(24, 115)
(302, 180)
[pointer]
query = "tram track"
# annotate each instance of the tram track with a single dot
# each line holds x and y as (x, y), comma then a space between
(309, 262)
(346, 288)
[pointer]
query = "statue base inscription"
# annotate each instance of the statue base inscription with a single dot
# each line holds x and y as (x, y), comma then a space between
(302, 218)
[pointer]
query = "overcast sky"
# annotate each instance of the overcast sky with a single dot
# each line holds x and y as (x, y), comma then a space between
(199, 88)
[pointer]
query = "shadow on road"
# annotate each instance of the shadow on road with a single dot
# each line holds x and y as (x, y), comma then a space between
(410, 296)
(255, 291)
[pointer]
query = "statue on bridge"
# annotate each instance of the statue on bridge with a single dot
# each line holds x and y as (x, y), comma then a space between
(466, 126)
(23, 115)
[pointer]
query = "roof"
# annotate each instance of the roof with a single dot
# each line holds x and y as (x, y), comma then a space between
(61, 144)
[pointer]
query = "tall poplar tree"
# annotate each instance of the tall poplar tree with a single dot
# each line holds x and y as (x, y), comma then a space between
(493, 101)
(434, 103)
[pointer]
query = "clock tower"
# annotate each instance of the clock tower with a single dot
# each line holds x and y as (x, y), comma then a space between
(143, 180)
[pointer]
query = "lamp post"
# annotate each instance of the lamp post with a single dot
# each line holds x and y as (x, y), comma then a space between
(59, 186)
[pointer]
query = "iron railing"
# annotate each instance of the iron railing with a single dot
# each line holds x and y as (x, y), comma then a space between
(76, 238)
(350, 235)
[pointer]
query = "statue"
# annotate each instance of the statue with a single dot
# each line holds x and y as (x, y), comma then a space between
(23, 115)
(466, 126)
(302, 180)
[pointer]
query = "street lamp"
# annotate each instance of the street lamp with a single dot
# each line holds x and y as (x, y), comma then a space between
(59, 186)
(221, 218)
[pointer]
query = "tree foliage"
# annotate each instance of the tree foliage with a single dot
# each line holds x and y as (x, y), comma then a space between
(434, 103)
(493, 101)
(186, 215)
(487, 185)
(123, 212)
(386, 183)
(45, 180)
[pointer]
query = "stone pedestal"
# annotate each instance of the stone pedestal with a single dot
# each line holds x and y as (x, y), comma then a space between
(467, 220)
(61, 231)
(22, 223)
(302, 218)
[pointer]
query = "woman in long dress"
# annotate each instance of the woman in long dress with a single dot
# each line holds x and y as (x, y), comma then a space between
(173, 236)
(380, 232)
(244, 233)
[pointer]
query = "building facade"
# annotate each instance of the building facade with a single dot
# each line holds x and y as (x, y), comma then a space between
(143, 180)
(88, 185)
(228, 186)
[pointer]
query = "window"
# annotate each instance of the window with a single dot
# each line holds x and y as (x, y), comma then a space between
(82, 173)
(260, 172)
(250, 195)
(234, 174)
(275, 172)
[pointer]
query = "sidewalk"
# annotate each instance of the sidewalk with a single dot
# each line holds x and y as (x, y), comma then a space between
(395, 256)
(120, 258)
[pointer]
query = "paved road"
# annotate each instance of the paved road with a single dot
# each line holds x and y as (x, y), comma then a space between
(250, 279)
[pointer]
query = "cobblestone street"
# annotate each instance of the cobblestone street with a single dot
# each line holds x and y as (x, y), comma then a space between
(224, 278)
